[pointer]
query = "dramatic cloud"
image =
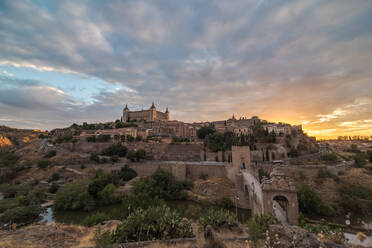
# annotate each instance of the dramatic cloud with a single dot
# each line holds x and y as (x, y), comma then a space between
(295, 61)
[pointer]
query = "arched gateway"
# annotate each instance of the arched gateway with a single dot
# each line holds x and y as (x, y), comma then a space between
(280, 197)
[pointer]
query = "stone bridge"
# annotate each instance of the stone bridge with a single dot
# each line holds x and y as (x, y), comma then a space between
(276, 194)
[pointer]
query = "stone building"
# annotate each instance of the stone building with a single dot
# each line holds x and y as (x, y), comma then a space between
(145, 115)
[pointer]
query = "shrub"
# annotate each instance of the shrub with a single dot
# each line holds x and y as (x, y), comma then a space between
(50, 154)
(94, 219)
(125, 124)
(44, 164)
(75, 196)
(115, 149)
(216, 218)
(136, 155)
(154, 223)
(63, 138)
(22, 214)
(94, 157)
(34, 197)
(53, 188)
(102, 239)
(203, 176)
(356, 198)
(205, 131)
(330, 157)
(310, 203)
(225, 202)
(107, 194)
(369, 153)
(130, 138)
(138, 201)
(127, 173)
(163, 185)
(258, 225)
(360, 160)
(54, 177)
(114, 158)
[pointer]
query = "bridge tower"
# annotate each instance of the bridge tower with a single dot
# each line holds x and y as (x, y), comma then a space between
(280, 197)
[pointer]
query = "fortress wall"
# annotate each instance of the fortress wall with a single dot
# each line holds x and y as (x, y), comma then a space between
(194, 171)
(181, 170)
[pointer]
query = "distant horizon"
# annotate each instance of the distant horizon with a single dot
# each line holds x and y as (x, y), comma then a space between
(298, 62)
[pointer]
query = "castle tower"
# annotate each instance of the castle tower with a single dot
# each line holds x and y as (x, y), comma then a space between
(125, 113)
(168, 114)
(153, 112)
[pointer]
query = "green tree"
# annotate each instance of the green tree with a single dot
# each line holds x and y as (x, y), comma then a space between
(205, 131)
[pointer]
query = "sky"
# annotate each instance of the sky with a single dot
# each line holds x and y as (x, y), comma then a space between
(300, 62)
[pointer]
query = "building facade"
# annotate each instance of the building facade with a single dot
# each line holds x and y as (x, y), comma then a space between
(145, 115)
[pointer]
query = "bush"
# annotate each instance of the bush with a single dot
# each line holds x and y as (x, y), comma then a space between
(115, 149)
(225, 202)
(53, 188)
(50, 154)
(155, 223)
(44, 164)
(125, 124)
(8, 158)
(356, 198)
(54, 177)
(203, 176)
(34, 197)
(74, 196)
(310, 203)
(258, 225)
(107, 194)
(114, 158)
(130, 138)
(63, 138)
(205, 131)
(94, 219)
(99, 138)
(136, 155)
(216, 218)
(330, 157)
(27, 214)
(369, 153)
(102, 239)
(94, 157)
(127, 173)
(163, 185)
(360, 160)
(138, 201)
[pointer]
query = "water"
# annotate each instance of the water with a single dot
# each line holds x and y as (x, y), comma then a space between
(188, 209)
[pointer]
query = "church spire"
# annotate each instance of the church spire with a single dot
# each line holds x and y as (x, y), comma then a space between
(152, 106)
(126, 107)
(166, 111)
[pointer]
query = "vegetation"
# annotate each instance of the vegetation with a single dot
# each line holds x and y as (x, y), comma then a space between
(258, 225)
(203, 176)
(8, 159)
(63, 139)
(138, 201)
(115, 149)
(23, 214)
(262, 174)
(154, 223)
(53, 188)
(44, 163)
(356, 198)
(50, 154)
(163, 185)
(94, 219)
(310, 203)
(330, 157)
(75, 196)
(224, 202)
(360, 159)
(205, 131)
(179, 140)
(136, 156)
(216, 218)
(125, 124)
(99, 138)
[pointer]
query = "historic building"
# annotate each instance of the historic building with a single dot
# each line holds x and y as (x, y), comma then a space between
(145, 115)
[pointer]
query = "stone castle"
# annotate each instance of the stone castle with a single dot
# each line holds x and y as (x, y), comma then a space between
(145, 115)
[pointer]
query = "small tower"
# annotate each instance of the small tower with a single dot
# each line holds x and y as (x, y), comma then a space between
(126, 113)
(168, 114)
(153, 112)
